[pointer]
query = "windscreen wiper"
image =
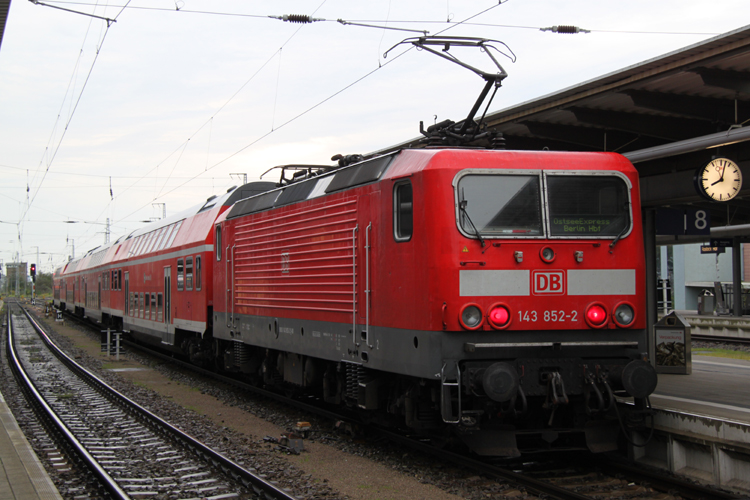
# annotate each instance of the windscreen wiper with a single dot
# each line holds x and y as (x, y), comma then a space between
(617, 238)
(462, 206)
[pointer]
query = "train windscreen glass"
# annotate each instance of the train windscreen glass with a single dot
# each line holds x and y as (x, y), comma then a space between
(500, 205)
(584, 206)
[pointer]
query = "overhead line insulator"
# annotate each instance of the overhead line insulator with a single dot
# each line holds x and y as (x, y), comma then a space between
(297, 18)
(565, 29)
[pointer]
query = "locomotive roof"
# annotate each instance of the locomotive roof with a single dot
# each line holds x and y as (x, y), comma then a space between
(337, 179)
(396, 164)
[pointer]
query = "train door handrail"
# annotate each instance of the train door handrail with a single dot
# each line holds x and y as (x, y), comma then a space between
(354, 284)
(367, 285)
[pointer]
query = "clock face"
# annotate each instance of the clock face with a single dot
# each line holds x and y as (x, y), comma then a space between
(719, 180)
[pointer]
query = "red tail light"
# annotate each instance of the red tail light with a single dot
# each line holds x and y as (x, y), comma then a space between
(596, 315)
(499, 316)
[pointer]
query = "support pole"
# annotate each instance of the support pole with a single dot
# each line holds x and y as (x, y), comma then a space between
(737, 277)
(649, 242)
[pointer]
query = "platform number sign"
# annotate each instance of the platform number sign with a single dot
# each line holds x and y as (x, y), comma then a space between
(670, 221)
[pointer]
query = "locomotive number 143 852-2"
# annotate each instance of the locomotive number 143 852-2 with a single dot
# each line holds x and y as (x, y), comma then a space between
(547, 315)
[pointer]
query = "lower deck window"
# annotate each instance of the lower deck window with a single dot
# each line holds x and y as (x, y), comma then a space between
(180, 275)
(197, 272)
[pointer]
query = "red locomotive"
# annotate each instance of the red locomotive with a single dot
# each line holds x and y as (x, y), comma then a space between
(498, 292)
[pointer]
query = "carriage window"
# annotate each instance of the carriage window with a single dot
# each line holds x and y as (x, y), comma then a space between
(153, 306)
(141, 298)
(180, 275)
(148, 305)
(499, 205)
(165, 238)
(217, 243)
(172, 236)
(587, 205)
(159, 305)
(189, 273)
(197, 272)
(403, 211)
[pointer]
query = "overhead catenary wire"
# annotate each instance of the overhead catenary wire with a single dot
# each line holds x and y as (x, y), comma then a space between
(311, 108)
(67, 124)
(356, 22)
(207, 163)
(220, 109)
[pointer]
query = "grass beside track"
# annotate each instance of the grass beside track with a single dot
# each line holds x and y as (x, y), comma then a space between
(721, 353)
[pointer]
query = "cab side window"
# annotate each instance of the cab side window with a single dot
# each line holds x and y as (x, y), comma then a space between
(217, 243)
(403, 213)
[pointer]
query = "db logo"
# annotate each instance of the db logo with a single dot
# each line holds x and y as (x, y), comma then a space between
(548, 282)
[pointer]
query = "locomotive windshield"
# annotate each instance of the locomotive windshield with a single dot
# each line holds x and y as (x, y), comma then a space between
(586, 205)
(581, 205)
(500, 204)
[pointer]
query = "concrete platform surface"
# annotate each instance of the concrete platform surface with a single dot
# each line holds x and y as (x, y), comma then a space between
(718, 387)
(22, 476)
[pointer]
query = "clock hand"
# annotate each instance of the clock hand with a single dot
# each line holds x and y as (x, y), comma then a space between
(721, 179)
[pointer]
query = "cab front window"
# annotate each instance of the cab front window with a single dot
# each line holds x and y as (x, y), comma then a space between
(588, 205)
(492, 205)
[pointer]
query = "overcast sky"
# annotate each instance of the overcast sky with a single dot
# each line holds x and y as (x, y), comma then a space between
(165, 104)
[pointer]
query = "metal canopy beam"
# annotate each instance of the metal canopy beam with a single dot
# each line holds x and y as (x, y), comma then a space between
(589, 137)
(662, 127)
(738, 81)
(731, 136)
(703, 108)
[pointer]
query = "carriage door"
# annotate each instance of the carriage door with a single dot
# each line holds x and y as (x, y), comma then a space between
(167, 336)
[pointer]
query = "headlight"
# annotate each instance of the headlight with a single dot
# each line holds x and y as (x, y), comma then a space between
(547, 254)
(471, 317)
(624, 315)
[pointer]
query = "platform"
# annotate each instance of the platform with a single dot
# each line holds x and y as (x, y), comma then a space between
(22, 476)
(718, 387)
(702, 424)
(721, 326)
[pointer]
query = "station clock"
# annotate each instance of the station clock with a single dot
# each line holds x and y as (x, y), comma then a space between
(719, 180)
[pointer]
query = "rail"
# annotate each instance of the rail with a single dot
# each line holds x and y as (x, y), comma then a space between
(37, 400)
(261, 487)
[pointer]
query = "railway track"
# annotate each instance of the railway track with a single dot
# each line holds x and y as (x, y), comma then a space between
(720, 339)
(579, 477)
(132, 452)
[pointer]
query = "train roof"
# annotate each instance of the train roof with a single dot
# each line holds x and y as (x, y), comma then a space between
(188, 232)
